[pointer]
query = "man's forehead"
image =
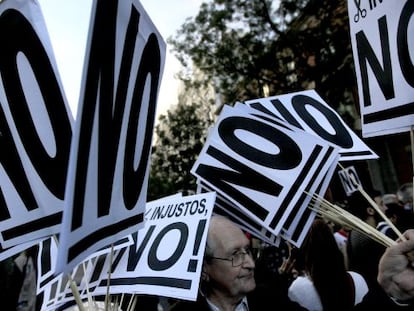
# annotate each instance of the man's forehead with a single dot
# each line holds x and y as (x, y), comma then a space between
(231, 239)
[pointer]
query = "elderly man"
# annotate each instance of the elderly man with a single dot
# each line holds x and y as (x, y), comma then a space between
(228, 283)
(227, 280)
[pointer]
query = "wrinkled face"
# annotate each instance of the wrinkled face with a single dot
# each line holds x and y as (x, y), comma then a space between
(226, 239)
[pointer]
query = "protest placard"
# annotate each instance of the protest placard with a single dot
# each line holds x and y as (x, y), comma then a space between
(349, 179)
(56, 289)
(35, 128)
(306, 110)
(383, 49)
(167, 256)
(109, 161)
(263, 166)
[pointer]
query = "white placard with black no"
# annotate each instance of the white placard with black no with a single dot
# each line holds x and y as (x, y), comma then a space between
(14, 250)
(109, 161)
(56, 288)
(382, 37)
(301, 217)
(300, 220)
(262, 166)
(35, 128)
(167, 257)
(349, 180)
(308, 111)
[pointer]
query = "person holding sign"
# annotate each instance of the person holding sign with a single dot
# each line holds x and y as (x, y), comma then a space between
(396, 271)
(228, 283)
(395, 277)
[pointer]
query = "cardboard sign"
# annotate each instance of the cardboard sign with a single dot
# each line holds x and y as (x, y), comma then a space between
(164, 257)
(56, 288)
(301, 217)
(382, 35)
(109, 161)
(306, 110)
(349, 180)
(14, 250)
(167, 256)
(35, 128)
(263, 166)
(46, 262)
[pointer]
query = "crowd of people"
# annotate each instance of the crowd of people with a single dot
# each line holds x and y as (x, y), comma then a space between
(325, 283)
(228, 279)
(336, 268)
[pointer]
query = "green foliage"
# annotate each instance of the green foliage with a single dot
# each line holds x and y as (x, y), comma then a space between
(237, 43)
(180, 136)
(244, 47)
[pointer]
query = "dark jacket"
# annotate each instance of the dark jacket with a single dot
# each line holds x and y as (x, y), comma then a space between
(259, 299)
(276, 298)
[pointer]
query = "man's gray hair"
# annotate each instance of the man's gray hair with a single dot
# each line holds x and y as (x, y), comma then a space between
(405, 193)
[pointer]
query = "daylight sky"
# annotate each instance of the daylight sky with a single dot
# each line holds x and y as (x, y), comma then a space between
(68, 22)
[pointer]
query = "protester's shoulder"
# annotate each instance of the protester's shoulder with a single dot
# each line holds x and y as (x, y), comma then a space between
(357, 277)
(302, 285)
(301, 281)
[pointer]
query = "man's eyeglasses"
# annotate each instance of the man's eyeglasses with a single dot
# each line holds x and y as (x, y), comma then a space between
(238, 258)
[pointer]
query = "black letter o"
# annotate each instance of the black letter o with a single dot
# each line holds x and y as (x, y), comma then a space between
(340, 138)
(289, 156)
(158, 265)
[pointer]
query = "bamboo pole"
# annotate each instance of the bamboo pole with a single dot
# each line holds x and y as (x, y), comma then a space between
(412, 156)
(333, 212)
(75, 293)
(108, 282)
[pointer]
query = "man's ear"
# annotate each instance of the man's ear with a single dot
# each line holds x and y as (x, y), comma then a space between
(204, 276)
(370, 211)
